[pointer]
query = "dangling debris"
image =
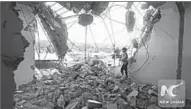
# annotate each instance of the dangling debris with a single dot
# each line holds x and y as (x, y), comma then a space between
(85, 19)
(130, 20)
(144, 6)
(129, 5)
(155, 4)
(151, 17)
(56, 30)
(135, 43)
(99, 7)
(96, 7)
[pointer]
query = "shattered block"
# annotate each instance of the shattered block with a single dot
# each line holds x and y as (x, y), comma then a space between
(61, 101)
(29, 106)
(74, 105)
(140, 103)
(74, 92)
(111, 106)
(123, 105)
(153, 106)
(85, 107)
(153, 100)
(94, 104)
(134, 93)
(56, 95)
(116, 89)
(77, 67)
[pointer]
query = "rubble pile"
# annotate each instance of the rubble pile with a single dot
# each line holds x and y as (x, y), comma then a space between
(85, 86)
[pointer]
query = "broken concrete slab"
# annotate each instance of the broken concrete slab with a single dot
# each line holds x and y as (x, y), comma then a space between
(112, 106)
(70, 89)
(93, 104)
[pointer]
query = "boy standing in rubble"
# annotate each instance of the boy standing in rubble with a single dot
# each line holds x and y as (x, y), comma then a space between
(124, 62)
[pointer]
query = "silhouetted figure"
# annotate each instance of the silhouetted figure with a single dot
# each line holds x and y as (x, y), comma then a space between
(124, 62)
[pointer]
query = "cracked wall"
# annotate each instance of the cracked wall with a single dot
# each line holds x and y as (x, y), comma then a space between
(24, 73)
(163, 49)
(17, 52)
(13, 46)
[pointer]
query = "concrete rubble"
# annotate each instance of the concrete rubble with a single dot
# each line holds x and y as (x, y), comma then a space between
(85, 86)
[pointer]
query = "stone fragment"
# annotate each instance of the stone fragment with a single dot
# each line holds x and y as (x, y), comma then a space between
(112, 106)
(61, 101)
(153, 106)
(94, 104)
(74, 105)
(85, 107)
(72, 91)
(56, 95)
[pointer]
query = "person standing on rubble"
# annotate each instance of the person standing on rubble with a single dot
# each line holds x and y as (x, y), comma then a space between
(124, 60)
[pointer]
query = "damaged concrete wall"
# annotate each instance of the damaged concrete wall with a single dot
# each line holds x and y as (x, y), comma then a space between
(13, 46)
(24, 73)
(163, 49)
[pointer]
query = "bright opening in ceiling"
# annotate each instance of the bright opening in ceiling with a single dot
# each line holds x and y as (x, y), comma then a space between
(108, 29)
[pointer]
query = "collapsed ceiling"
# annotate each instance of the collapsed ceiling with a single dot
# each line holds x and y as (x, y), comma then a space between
(12, 54)
(57, 29)
(95, 8)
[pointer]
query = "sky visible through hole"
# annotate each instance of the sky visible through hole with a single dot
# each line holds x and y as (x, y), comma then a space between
(119, 35)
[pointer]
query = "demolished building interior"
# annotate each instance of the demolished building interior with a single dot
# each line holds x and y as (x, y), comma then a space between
(84, 85)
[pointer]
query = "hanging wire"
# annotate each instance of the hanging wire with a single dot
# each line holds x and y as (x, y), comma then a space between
(117, 5)
(58, 9)
(168, 34)
(53, 4)
(69, 17)
(147, 52)
(137, 10)
(39, 41)
(72, 24)
(45, 33)
(112, 29)
(108, 10)
(46, 54)
(123, 23)
(74, 44)
(60, 59)
(85, 41)
(32, 36)
(107, 31)
(63, 12)
(93, 37)
(138, 4)
(113, 37)
(157, 27)
(38, 36)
